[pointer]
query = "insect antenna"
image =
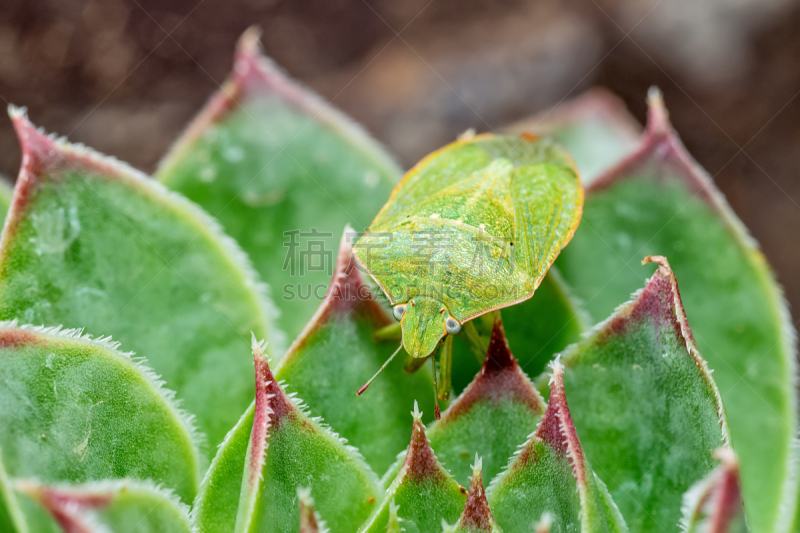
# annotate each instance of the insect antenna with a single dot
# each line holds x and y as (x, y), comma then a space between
(368, 383)
(435, 389)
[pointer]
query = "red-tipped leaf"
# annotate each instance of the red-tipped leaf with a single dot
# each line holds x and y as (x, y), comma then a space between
(550, 476)
(423, 492)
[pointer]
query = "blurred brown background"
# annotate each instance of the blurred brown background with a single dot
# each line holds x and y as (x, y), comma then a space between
(125, 76)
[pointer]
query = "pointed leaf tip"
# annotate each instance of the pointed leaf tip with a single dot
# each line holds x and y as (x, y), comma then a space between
(259, 346)
(657, 115)
(347, 289)
(660, 300)
(551, 472)
(15, 112)
(662, 149)
(637, 374)
(250, 42)
(304, 495)
(416, 413)
(477, 517)
(113, 505)
(423, 489)
(478, 465)
(68, 512)
(44, 152)
(498, 354)
(545, 523)
(727, 457)
(557, 428)
(254, 73)
(250, 59)
(421, 462)
(48, 495)
(660, 260)
(310, 521)
(37, 146)
(500, 378)
(555, 366)
(281, 432)
(714, 504)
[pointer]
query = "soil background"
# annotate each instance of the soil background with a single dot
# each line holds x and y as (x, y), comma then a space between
(125, 77)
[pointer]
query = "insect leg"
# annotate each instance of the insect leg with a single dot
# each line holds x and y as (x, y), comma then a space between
(487, 323)
(392, 332)
(435, 390)
(476, 343)
(445, 368)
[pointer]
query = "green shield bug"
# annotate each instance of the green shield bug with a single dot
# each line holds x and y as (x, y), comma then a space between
(472, 228)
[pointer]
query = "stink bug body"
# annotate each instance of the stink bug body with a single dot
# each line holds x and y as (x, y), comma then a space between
(472, 228)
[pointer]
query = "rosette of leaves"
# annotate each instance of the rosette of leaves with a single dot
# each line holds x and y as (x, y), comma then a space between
(213, 425)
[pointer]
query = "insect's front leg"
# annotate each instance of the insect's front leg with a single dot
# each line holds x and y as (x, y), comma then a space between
(445, 352)
(477, 344)
(478, 332)
(392, 332)
(445, 368)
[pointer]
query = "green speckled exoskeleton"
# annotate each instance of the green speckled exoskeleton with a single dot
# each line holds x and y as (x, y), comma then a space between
(472, 228)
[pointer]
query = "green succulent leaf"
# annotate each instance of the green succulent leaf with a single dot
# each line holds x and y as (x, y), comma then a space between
(476, 517)
(335, 355)
(287, 449)
(644, 402)
(422, 495)
(659, 201)
(92, 243)
(270, 160)
(215, 507)
(595, 128)
(714, 504)
(493, 416)
(550, 480)
(75, 409)
(118, 506)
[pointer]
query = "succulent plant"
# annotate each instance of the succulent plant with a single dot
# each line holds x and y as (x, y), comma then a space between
(214, 425)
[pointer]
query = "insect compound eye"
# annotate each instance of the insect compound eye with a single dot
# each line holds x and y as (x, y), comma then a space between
(452, 325)
(398, 311)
